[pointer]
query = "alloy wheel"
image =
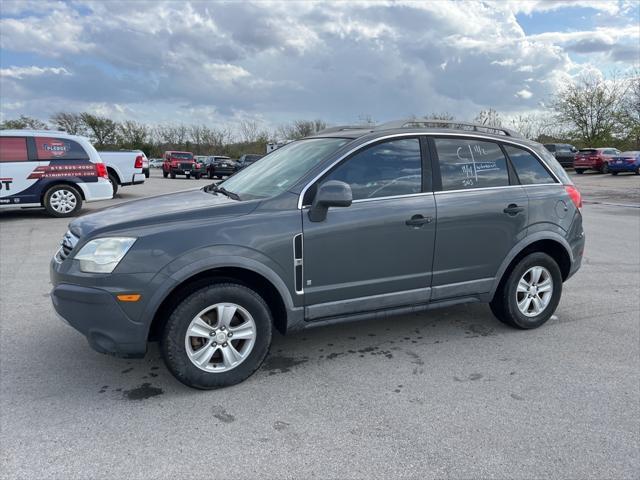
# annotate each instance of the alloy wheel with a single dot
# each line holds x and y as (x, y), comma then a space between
(534, 291)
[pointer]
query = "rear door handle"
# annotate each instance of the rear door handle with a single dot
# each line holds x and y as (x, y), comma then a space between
(513, 209)
(418, 221)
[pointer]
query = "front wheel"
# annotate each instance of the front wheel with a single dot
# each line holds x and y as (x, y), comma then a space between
(614, 173)
(530, 294)
(579, 171)
(188, 175)
(217, 336)
(197, 176)
(62, 201)
(173, 175)
(165, 174)
(210, 174)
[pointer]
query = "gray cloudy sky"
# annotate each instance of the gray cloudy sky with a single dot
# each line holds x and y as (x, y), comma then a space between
(212, 62)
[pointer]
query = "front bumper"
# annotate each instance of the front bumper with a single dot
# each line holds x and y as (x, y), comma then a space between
(97, 315)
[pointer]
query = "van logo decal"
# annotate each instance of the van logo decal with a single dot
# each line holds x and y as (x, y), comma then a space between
(57, 149)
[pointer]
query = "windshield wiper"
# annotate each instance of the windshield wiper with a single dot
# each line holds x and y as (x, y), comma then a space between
(222, 190)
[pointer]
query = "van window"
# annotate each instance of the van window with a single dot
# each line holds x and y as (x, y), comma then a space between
(13, 149)
(530, 171)
(466, 164)
(50, 148)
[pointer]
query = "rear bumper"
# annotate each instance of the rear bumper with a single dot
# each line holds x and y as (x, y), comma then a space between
(94, 191)
(224, 171)
(627, 167)
(137, 179)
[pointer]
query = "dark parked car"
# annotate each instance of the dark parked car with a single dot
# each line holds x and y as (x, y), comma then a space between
(625, 162)
(564, 153)
(246, 160)
(349, 224)
(594, 159)
(219, 166)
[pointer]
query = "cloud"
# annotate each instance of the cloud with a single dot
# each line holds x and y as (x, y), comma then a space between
(208, 62)
(21, 72)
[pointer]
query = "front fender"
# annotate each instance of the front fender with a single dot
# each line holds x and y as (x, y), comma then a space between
(201, 260)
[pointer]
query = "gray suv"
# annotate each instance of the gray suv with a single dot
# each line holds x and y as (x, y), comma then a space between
(350, 224)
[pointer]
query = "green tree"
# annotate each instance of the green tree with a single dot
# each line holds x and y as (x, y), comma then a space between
(592, 108)
(103, 131)
(23, 122)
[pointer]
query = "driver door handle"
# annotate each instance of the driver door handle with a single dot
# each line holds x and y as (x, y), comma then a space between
(418, 221)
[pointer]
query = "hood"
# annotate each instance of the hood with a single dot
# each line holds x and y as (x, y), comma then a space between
(163, 209)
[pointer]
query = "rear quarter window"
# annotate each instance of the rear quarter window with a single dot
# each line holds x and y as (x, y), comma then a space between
(553, 164)
(52, 149)
(528, 168)
(467, 164)
(13, 149)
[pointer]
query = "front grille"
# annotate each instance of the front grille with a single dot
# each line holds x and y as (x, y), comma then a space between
(68, 243)
(186, 166)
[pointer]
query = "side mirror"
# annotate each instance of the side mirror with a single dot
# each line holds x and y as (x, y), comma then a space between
(574, 149)
(330, 194)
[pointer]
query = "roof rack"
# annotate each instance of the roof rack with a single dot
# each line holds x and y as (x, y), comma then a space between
(452, 124)
(342, 128)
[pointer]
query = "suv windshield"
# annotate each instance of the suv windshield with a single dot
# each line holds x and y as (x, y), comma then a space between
(281, 169)
(182, 156)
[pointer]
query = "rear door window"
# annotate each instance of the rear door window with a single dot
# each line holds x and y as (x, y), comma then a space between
(52, 149)
(528, 168)
(13, 149)
(467, 164)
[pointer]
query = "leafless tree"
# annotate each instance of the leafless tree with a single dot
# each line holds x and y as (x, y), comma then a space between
(488, 118)
(23, 122)
(69, 122)
(300, 128)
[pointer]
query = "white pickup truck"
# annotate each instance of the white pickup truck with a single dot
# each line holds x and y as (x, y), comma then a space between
(125, 167)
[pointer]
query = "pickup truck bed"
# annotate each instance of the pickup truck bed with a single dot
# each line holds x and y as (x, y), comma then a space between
(124, 167)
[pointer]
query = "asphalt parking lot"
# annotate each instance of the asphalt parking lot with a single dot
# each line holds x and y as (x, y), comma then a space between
(450, 393)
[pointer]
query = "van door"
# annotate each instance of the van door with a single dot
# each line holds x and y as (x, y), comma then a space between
(482, 214)
(18, 172)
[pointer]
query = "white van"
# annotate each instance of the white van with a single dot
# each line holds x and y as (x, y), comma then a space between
(50, 169)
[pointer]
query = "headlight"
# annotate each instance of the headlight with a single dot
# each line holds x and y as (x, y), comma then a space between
(102, 255)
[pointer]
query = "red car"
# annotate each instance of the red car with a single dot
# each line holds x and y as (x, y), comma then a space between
(594, 159)
(180, 163)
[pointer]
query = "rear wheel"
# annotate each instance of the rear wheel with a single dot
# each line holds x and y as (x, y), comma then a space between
(638, 170)
(114, 183)
(530, 294)
(210, 174)
(217, 336)
(62, 201)
(579, 171)
(614, 173)
(604, 168)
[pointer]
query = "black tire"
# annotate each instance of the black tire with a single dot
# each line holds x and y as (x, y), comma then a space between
(188, 175)
(173, 175)
(614, 173)
(172, 343)
(579, 171)
(504, 304)
(50, 195)
(210, 174)
(604, 168)
(637, 172)
(147, 174)
(114, 184)
(197, 176)
(165, 174)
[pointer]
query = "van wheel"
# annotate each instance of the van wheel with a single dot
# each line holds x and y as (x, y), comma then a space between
(165, 174)
(62, 201)
(114, 184)
(530, 294)
(217, 336)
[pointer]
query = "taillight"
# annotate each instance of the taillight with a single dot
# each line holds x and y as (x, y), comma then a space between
(138, 163)
(574, 193)
(101, 170)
